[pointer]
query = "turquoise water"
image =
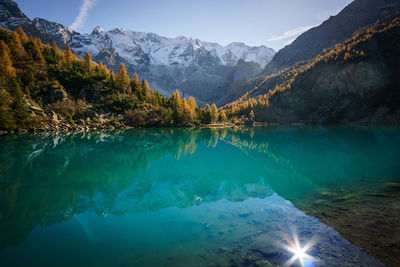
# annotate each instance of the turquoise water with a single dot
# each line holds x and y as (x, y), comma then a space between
(193, 197)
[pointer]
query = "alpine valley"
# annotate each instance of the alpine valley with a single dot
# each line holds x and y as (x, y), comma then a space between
(125, 148)
(344, 71)
(200, 69)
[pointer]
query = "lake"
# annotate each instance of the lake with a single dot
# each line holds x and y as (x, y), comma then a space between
(263, 196)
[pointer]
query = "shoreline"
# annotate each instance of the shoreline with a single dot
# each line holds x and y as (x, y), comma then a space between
(58, 126)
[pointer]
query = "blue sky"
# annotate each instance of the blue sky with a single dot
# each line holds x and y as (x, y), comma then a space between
(273, 23)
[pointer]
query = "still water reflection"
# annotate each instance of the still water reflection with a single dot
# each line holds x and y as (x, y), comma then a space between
(195, 197)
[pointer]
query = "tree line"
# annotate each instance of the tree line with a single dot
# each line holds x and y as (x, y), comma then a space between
(255, 103)
(44, 76)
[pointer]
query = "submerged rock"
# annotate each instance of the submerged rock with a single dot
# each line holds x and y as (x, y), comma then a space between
(392, 186)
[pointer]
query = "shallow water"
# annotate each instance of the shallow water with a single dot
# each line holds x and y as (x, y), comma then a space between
(201, 197)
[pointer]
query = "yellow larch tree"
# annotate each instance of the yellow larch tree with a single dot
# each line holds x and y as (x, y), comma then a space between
(123, 80)
(214, 113)
(87, 62)
(68, 55)
(17, 50)
(22, 35)
(5, 61)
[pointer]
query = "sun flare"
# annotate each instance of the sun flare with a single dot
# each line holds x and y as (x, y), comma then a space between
(299, 252)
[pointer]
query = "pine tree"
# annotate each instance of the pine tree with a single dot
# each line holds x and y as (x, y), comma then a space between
(68, 55)
(214, 113)
(122, 79)
(19, 106)
(135, 85)
(5, 62)
(37, 51)
(207, 114)
(111, 79)
(198, 112)
(87, 62)
(6, 118)
(22, 35)
(222, 116)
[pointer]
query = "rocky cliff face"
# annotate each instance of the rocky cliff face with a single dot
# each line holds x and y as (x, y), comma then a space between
(356, 92)
(357, 81)
(201, 69)
(9, 9)
(357, 15)
(11, 17)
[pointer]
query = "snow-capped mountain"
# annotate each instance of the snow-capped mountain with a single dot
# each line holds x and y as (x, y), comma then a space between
(204, 70)
(133, 46)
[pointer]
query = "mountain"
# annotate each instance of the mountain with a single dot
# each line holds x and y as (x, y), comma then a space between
(356, 81)
(150, 48)
(357, 15)
(11, 17)
(204, 70)
(201, 69)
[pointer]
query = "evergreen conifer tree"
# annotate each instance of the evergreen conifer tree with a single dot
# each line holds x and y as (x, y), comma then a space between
(207, 114)
(19, 105)
(136, 86)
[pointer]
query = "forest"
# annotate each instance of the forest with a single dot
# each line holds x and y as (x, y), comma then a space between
(292, 88)
(43, 87)
(40, 84)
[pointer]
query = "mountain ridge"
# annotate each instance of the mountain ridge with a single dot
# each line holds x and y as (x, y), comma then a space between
(354, 82)
(258, 54)
(204, 70)
(355, 16)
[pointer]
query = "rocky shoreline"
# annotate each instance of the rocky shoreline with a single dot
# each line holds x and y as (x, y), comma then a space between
(53, 122)
(47, 120)
(373, 208)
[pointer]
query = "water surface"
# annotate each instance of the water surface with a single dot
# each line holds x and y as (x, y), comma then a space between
(201, 197)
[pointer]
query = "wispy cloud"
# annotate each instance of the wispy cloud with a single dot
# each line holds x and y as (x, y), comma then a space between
(80, 20)
(290, 33)
(289, 42)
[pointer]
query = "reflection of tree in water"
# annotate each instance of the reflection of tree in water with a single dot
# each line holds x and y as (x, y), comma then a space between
(352, 173)
(323, 156)
(49, 178)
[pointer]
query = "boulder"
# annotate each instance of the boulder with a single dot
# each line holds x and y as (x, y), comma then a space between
(60, 95)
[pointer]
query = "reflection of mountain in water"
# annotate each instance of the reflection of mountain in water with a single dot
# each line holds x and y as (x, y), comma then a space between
(45, 179)
(50, 178)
